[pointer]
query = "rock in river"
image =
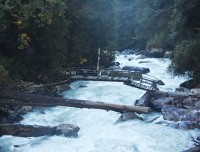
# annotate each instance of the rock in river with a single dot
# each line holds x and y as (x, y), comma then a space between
(128, 116)
(136, 69)
(173, 113)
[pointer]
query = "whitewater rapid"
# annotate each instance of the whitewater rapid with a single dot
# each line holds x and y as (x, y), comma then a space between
(98, 133)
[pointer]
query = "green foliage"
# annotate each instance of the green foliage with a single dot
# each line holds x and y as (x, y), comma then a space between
(170, 25)
(39, 37)
(157, 41)
(186, 58)
(43, 36)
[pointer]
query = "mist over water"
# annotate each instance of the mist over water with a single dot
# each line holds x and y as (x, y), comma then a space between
(98, 133)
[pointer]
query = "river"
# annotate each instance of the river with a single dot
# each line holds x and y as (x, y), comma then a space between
(98, 133)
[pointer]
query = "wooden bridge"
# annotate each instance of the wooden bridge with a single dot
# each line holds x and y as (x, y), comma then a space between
(130, 78)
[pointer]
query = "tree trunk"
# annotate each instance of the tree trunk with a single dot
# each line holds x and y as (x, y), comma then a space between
(36, 131)
(18, 98)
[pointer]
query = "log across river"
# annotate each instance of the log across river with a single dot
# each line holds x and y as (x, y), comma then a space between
(18, 98)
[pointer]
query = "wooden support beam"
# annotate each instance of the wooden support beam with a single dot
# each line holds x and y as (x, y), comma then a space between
(18, 98)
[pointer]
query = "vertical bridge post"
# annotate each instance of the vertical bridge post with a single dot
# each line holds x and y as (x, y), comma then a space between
(99, 52)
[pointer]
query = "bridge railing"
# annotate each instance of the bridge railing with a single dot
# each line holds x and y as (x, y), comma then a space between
(130, 75)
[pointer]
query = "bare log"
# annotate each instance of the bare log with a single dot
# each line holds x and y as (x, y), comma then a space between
(18, 98)
(36, 131)
(57, 83)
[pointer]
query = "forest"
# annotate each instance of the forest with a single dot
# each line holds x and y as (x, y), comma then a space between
(125, 73)
(45, 36)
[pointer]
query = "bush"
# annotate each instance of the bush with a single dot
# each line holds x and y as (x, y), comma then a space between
(186, 59)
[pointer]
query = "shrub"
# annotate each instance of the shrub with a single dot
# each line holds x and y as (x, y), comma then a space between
(186, 58)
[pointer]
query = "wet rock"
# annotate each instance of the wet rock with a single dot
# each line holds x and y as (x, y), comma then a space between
(167, 54)
(61, 88)
(181, 89)
(82, 86)
(35, 89)
(156, 52)
(11, 114)
(136, 69)
(130, 59)
(188, 103)
(128, 116)
(197, 105)
(185, 125)
(160, 82)
(67, 130)
(159, 103)
(140, 57)
(173, 113)
(114, 67)
(117, 53)
(198, 85)
(115, 64)
(144, 100)
(192, 149)
(188, 84)
(124, 73)
(127, 52)
(144, 62)
(196, 91)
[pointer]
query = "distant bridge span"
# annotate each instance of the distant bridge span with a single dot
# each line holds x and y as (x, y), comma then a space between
(130, 78)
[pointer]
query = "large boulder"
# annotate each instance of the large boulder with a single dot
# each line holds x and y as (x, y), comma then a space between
(114, 67)
(180, 124)
(128, 116)
(189, 103)
(189, 84)
(136, 69)
(115, 63)
(168, 54)
(68, 130)
(197, 105)
(192, 149)
(158, 104)
(140, 56)
(173, 113)
(141, 62)
(144, 100)
(62, 87)
(128, 52)
(155, 53)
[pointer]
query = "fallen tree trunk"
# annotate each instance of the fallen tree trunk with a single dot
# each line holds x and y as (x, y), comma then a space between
(18, 98)
(57, 83)
(36, 131)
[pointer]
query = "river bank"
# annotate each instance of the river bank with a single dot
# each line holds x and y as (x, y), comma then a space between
(13, 114)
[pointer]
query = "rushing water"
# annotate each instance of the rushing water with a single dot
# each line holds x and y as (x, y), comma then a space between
(98, 132)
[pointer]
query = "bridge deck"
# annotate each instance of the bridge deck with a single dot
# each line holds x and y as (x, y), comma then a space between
(99, 78)
(146, 82)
